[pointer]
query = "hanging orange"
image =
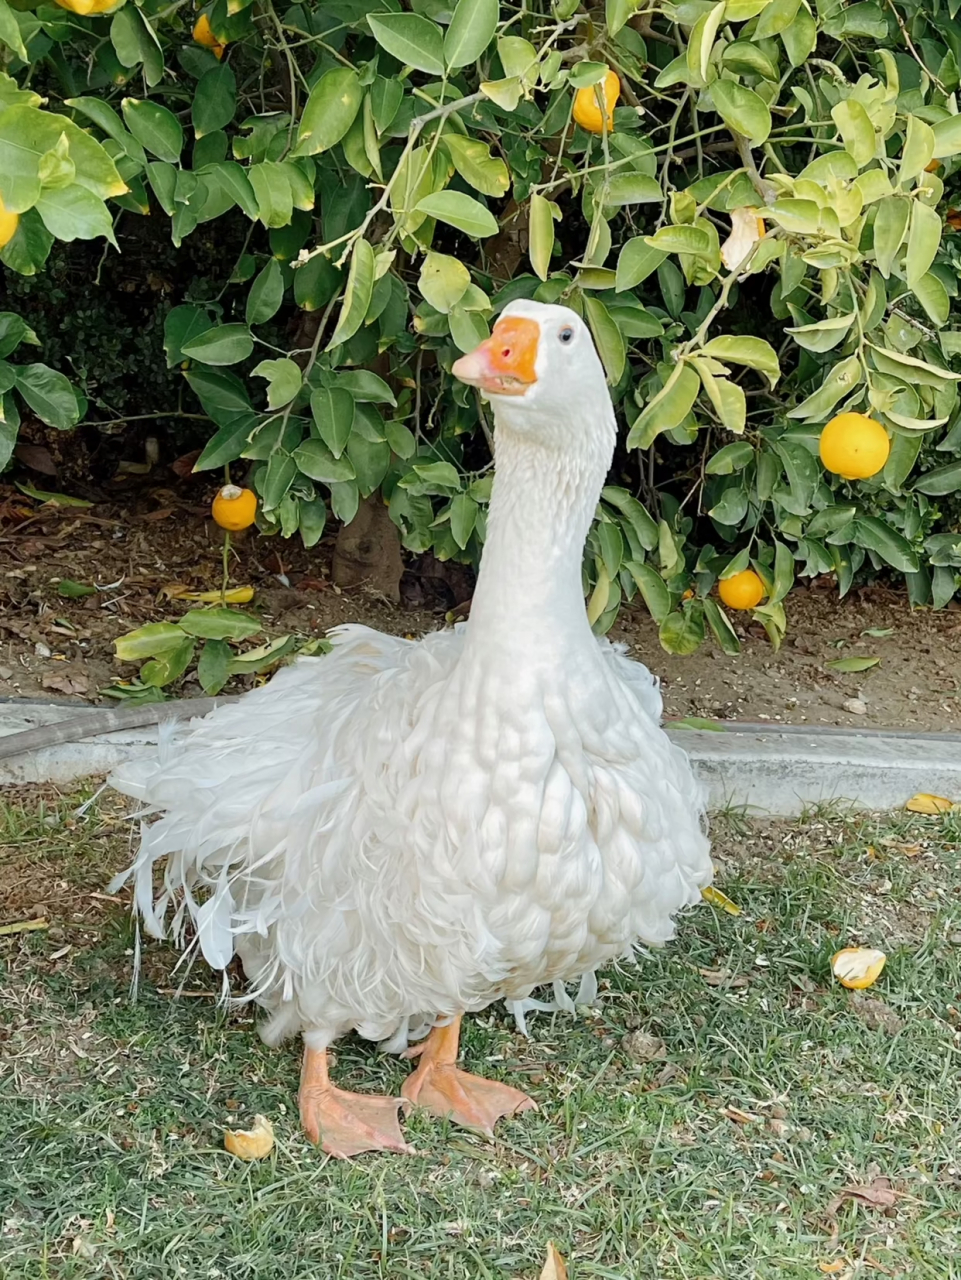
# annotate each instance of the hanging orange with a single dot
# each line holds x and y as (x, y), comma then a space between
(234, 508)
(854, 446)
(744, 590)
(586, 111)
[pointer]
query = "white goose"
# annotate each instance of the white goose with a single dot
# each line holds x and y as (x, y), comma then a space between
(402, 832)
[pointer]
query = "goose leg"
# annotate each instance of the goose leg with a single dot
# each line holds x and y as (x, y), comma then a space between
(444, 1090)
(345, 1124)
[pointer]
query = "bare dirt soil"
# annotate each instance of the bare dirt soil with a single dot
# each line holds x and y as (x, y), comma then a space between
(133, 547)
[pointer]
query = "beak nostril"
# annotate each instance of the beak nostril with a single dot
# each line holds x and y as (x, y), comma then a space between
(506, 352)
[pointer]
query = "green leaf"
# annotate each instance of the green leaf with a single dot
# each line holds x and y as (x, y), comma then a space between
(330, 111)
(941, 481)
(825, 335)
(283, 380)
(637, 260)
(783, 573)
(726, 637)
(947, 137)
(471, 30)
(360, 286)
(411, 39)
(924, 239)
(776, 17)
(276, 480)
(49, 395)
(366, 387)
(267, 655)
(215, 100)
(155, 128)
(106, 119)
(222, 345)
(74, 590)
(634, 512)
(150, 641)
(933, 296)
(733, 457)
(167, 666)
(10, 32)
(744, 55)
(272, 189)
(742, 110)
(856, 130)
(846, 665)
(874, 535)
(333, 413)
(541, 232)
(14, 330)
(667, 409)
(463, 517)
(460, 211)
(918, 150)
(473, 161)
(74, 213)
(653, 589)
(890, 224)
(443, 281)
(727, 397)
(315, 460)
(217, 623)
(212, 668)
(607, 338)
(840, 381)
(682, 239)
(753, 352)
(631, 188)
(135, 41)
(433, 477)
(683, 632)
(266, 294)
(311, 520)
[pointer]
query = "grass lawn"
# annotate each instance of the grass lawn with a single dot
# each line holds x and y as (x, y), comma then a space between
(702, 1123)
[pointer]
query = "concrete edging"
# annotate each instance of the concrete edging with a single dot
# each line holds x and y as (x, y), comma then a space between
(774, 770)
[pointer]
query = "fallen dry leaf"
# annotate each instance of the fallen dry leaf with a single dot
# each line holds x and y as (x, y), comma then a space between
(722, 978)
(746, 229)
(878, 1194)
(832, 1268)
(641, 1047)
(739, 1116)
(554, 1267)
(233, 595)
(718, 899)
(253, 1143)
(858, 967)
(925, 803)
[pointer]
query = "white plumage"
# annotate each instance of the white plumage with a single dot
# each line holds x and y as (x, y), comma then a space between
(401, 832)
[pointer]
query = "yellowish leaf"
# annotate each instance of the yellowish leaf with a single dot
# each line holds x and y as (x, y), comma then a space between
(234, 595)
(718, 899)
(858, 967)
(253, 1143)
(923, 802)
(555, 1267)
(832, 1268)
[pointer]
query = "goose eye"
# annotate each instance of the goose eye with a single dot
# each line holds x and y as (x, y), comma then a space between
(566, 335)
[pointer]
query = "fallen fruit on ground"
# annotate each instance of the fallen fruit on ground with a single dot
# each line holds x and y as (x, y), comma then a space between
(923, 802)
(253, 1143)
(8, 225)
(858, 967)
(744, 590)
(234, 508)
(587, 113)
(203, 34)
(854, 446)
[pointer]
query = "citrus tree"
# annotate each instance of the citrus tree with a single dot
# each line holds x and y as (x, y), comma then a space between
(745, 200)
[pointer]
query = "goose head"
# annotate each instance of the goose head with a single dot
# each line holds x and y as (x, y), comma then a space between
(542, 375)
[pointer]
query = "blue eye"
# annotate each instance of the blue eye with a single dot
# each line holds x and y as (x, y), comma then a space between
(566, 335)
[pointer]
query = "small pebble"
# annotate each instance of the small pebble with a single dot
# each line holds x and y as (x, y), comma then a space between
(856, 707)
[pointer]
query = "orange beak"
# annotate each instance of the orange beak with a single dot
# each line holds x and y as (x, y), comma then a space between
(504, 365)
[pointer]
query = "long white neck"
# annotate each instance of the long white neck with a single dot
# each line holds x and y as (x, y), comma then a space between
(529, 594)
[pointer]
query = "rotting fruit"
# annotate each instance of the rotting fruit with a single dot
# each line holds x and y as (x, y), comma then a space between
(234, 508)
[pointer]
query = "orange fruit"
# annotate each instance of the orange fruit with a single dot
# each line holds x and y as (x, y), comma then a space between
(234, 508)
(8, 225)
(854, 446)
(203, 34)
(586, 111)
(744, 591)
(253, 1143)
(932, 166)
(858, 967)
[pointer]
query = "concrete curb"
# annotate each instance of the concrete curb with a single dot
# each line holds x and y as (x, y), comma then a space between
(774, 770)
